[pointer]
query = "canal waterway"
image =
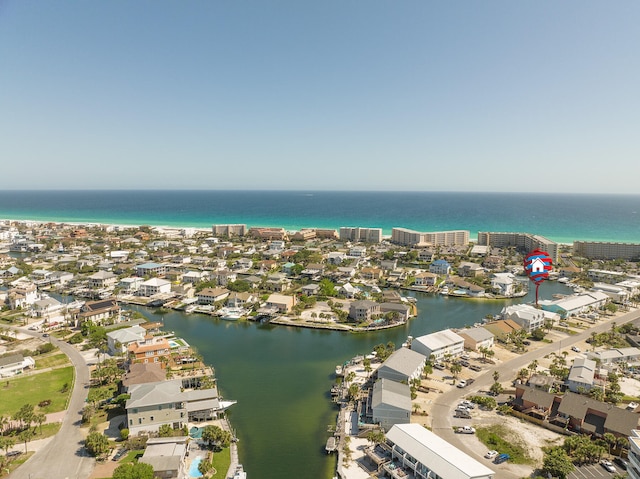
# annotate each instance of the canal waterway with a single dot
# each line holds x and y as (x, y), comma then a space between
(281, 376)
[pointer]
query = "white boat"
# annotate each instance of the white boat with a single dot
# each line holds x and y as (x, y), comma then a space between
(190, 309)
(231, 314)
(444, 290)
(240, 473)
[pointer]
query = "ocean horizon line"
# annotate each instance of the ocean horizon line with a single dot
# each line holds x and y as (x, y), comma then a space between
(296, 190)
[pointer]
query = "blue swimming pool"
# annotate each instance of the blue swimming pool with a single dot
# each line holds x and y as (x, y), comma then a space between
(193, 469)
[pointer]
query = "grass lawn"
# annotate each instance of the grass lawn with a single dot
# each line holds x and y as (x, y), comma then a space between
(48, 430)
(35, 388)
(13, 465)
(503, 440)
(132, 456)
(221, 461)
(53, 360)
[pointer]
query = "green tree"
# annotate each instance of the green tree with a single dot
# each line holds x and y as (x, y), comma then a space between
(25, 415)
(205, 467)
(428, 369)
(455, 369)
(496, 388)
(375, 436)
(26, 436)
(133, 470)
(557, 463)
(165, 430)
(97, 444)
(327, 288)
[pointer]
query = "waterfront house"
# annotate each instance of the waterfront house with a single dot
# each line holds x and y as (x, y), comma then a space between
(363, 310)
(425, 279)
(153, 404)
(401, 311)
(470, 270)
(575, 304)
(15, 364)
(212, 295)
(99, 311)
(130, 285)
(141, 373)
(389, 403)
(527, 316)
(154, 286)
(241, 300)
(118, 341)
(149, 350)
(440, 266)
(281, 302)
(504, 284)
(419, 452)
(102, 280)
(476, 338)
(403, 365)
(167, 456)
(436, 345)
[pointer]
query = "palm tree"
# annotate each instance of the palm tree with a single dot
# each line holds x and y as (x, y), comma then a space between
(428, 369)
(533, 365)
(496, 376)
(455, 369)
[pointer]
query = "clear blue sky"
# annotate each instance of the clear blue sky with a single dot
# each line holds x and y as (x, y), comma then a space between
(408, 95)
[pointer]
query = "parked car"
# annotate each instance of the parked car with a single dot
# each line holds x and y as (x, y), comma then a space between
(501, 458)
(439, 366)
(575, 349)
(608, 466)
(462, 383)
(462, 414)
(13, 453)
(45, 335)
(119, 454)
(621, 462)
(466, 430)
(464, 362)
(491, 454)
(467, 404)
(475, 367)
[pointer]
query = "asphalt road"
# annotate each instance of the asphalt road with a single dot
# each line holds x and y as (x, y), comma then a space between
(442, 409)
(64, 457)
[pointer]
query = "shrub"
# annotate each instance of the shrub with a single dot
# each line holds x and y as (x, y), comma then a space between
(124, 434)
(44, 403)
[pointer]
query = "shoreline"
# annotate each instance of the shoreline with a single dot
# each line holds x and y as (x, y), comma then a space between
(202, 227)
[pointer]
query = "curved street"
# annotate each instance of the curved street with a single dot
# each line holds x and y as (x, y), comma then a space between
(63, 457)
(442, 409)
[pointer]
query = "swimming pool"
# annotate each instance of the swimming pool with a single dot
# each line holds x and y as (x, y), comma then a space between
(193, 468)
(173, 344)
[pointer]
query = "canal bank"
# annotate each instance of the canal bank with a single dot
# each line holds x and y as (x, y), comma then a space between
(281, 376)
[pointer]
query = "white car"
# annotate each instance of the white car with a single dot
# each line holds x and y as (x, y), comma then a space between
(575, 349)
(462, 383)
(491, 454)
(467, 404)
(607, 465)
(466, 430)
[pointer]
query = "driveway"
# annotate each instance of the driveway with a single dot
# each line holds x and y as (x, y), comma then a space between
(64, 457)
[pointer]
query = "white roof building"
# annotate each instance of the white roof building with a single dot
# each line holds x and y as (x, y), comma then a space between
(525, 315)
(432, 454)
(402, 365)
(437, 345)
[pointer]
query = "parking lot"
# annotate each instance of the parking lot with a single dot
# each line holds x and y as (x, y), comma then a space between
(594, 471)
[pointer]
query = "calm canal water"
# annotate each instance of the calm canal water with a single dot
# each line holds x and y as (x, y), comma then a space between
(281, 376)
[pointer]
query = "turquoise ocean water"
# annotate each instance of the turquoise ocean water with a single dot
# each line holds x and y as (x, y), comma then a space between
(563, 218)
